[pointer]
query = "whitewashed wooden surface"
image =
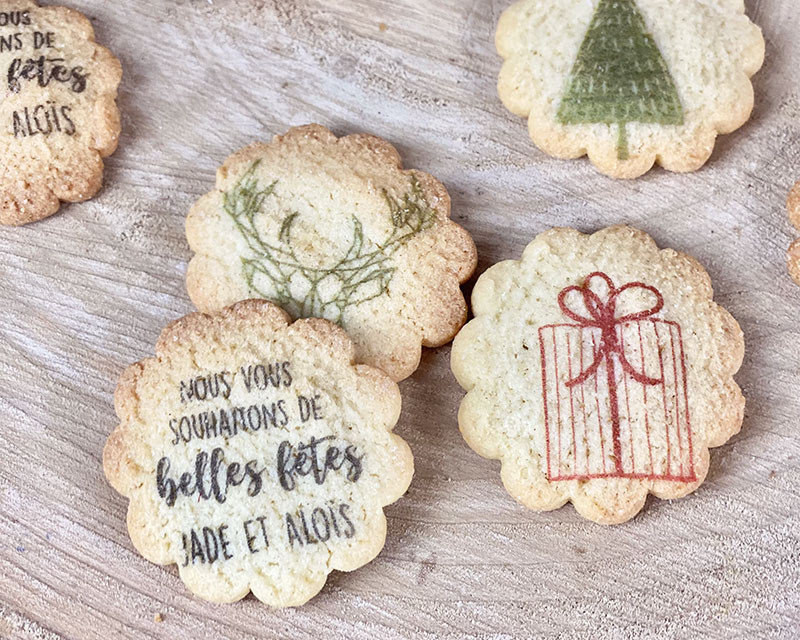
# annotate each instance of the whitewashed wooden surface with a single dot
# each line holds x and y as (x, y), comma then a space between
(86, 292)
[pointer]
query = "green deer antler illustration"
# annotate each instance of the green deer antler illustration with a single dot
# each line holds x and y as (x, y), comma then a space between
(362, 273)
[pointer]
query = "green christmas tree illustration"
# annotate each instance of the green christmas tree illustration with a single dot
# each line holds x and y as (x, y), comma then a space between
(362, 272)
(620, 75)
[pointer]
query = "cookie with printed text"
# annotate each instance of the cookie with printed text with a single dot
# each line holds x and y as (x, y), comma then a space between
(629, 82)
(255, 454)
(793, 255)
(335, 228)
(598, 370)
(59, 114)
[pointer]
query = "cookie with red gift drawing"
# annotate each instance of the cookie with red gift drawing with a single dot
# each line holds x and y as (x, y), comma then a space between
(255, 454)
(793, 255)
(629, 83)
(335, 228)
(598, 370)
(58, 109)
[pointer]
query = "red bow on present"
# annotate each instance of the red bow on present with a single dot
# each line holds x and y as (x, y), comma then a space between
(602, 315)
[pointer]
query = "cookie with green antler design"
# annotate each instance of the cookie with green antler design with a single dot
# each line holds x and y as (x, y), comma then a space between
(629, 82)
(335, 228)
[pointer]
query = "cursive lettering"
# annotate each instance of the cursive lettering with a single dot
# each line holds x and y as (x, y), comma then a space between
(302, 459)
(212, 478)
(45, 70)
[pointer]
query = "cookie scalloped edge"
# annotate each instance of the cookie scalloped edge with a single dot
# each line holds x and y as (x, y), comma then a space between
(126, 477)
(793, 253)
(555, 141)
(487, 440)
(442, 322)
(34, 200)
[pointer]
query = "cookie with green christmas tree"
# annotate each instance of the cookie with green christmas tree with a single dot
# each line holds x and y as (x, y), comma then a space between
(335, 228)
(629, 83)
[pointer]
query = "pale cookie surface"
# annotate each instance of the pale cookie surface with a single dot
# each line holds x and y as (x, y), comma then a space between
(629, 82)
(256, 455)
(335, 228)
(793, 255)
(598, 369)
(58, 114)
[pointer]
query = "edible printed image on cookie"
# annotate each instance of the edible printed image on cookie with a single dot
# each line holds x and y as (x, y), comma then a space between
(793, 255)
(58, 113)
(629, 82)
(598, 370)
(256, 456)
(335, 228)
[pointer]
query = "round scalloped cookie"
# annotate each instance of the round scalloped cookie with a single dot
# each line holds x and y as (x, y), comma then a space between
(59, 110)
(629, 82)
(335, 228)
(255, 454)
(598, 370)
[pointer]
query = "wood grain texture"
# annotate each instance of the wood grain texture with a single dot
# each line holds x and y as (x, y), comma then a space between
(86, 292)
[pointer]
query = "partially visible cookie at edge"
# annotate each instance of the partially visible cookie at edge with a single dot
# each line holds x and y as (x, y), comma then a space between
(793, 254)
(256, 456)
(598, 369)
(335, 228)
(629, 83)
(59, 114)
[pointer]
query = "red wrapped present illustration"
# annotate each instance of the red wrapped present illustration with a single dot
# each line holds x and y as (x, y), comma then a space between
(614, 387)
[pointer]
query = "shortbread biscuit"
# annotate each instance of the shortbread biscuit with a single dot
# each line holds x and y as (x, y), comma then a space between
(335, 228)
(256, 455)
(793, 255)
(629, 82)
(598, 370)
(58, 112)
